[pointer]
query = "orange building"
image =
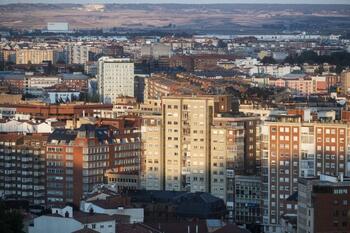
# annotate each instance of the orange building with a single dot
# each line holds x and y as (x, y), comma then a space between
(60, 111)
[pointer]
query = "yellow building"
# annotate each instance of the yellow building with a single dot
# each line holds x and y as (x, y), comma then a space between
(33, 56)
(345, 81)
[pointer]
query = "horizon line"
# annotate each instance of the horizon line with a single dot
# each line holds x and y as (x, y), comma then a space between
(170, 3)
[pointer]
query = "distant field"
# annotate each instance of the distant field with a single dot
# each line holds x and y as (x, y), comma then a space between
(199, 17)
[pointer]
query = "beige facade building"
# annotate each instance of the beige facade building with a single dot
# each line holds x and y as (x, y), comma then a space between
(78, 54)
(194, 147)
(345, 81)
(187, 124)
(227, 151)
(34, 56)
(152, 161)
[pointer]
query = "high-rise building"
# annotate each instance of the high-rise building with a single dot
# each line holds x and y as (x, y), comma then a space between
(226, 157)
(22, 167)
(345, 81)
(194, 147)
(115, 77)
(187, 124)
(292, 149)
(77, 160)
(78, 54)
(323, 204)
(152, 160)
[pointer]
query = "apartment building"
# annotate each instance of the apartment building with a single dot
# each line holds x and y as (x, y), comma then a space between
(152, 160)
(323, 204)
(155, 50)
(292, 149)
(35, 84)
(345, 81)
(34, 56)
(76, 81)
(187, 124)
(159, 85)
(274, 70)
(77, 160)
(195, 148)
(78, 54)
(247, 199)
(62, 111)
(22, 167)
(115, 77)
(302, 85)
(226, 158)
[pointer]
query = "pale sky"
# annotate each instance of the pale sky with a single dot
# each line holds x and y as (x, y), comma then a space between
(183, 1)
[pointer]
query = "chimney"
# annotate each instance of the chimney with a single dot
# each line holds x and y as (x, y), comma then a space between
(196, 228)
(188, 229)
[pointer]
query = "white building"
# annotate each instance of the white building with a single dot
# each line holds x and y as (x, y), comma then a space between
(115, 77)
(26, 126)
(104, 199)
(64, 221)
(78, 54)
(57, 27)
(247, 62)
(274, 70)
(136, 214)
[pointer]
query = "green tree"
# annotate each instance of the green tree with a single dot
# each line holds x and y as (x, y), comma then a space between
(268, 60)
(11, 221)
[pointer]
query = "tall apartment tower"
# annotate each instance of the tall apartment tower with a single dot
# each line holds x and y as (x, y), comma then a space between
(115, 77)
(187, 124)
(78, 54)
(345, 81)
(292, 149)
(22, 167)
(192, 147)
(323, 204)
(152, 168)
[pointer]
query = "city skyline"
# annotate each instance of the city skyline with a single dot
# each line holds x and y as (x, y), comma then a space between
(175, 118)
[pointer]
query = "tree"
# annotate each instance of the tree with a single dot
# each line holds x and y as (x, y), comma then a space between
(319, 70)
(11, 221)
(268, 60)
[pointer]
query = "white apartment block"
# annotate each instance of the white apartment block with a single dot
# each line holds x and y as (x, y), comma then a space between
(274, 70)
(115, 77)
(78, 54)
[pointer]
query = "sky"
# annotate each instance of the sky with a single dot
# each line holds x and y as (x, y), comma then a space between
(183, 1)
